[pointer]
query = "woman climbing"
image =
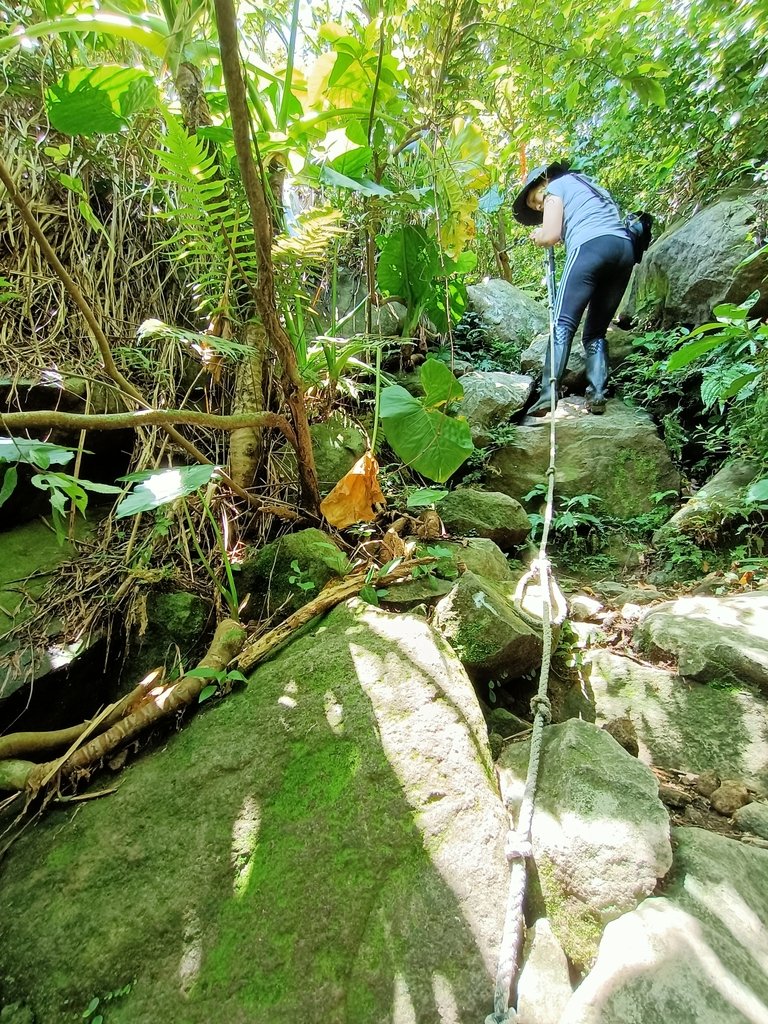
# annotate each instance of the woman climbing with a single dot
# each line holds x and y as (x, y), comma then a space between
(599, 259)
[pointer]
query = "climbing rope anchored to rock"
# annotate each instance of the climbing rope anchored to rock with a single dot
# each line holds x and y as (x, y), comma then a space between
(518, 845)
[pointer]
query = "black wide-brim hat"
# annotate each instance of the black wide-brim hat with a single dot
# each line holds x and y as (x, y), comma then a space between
(520, 209)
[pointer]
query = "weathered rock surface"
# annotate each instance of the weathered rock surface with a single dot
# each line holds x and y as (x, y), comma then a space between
(175, 626)
(695, 266)
(618, 456)
(544, 989)
(476, 554)
(719, 639)
(337, 445)
(600, 833)
(266, 573)
(712, 504)
(682, 725)
(329, 837)
(753, 817)
(697, 955)
(729, 796)
(491, 399)
(507, 313)
(490, 514)
(487, 633)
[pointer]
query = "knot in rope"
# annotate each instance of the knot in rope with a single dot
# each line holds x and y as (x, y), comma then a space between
(518, 846)
(540, 705)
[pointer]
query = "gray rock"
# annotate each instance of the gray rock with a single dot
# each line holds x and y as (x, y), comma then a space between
(337, 445)
(489, 514)
(600, 833)
(684, 726)
(729, 796)
(720, 639)
(618, 456)
(707, 783)
(753, 817)
(481, 556)
(504, 722)
(583, 608)
(713, 504)
(486, 632)
(696, 265)
(342, 835)
(624, 732)
(544, 988)
(695, 955)
(491, 399)
(265, 573)
(507, 314)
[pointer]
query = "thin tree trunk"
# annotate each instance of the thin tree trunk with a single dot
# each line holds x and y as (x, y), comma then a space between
(245, 445)
(264, 294)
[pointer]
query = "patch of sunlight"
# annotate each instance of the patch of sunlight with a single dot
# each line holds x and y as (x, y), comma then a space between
(245, 839)
(431, 736)
(334, 713)
(683, 931)
(403, 1011)
(445, 1000)
(737, 614)
(166, 485)
(192, 954)
(287, 698)
(61, 655)
(735, 914)
(481, 601)
(663, 949)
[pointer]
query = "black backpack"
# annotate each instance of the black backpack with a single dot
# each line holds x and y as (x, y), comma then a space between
(638, 226)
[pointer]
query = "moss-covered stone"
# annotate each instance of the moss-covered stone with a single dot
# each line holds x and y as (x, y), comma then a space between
(485, 514)
(325, 838)
(176, 627)
(337, 445)
(266, 573)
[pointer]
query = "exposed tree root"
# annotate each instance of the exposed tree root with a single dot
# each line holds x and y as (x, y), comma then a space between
(149, 703)
(226, 644)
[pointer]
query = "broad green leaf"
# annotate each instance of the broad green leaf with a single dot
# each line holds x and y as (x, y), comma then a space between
(91, 101)
(693, 350)
(362, 185)
(452, 294)
(10, 479)
(425, 496)
(35, 453)
(146, 31)
(353, 162)
(163, 487)
(648, 90)
(408, 263)
(757, 493)
(731, 311)
(206, 693)
(427, 441)
(439, 384)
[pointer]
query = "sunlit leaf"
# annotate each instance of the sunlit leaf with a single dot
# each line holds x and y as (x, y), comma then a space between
(92, 101)
(162, 487)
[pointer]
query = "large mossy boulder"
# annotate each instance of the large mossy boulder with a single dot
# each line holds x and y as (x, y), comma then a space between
(490, 514)
(285, 574)
(488, 634)
(714, 505)
(174, 627)
(696, 954)
(700, 263)
(600, 834)
(337, 445)
(507, 313)
(327, 844)
(619, 457)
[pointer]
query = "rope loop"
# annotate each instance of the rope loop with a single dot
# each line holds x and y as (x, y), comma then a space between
(541, 705)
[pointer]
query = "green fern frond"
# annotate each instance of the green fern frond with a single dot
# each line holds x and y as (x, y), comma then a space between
(316, 230)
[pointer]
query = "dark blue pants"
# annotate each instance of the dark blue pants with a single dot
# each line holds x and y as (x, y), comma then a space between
(594, 279)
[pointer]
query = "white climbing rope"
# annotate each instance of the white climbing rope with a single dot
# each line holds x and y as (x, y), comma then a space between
(518, 844)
